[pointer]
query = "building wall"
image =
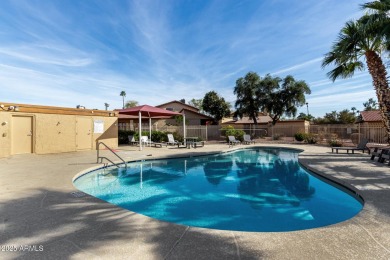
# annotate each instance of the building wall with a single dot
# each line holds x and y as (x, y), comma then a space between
(5, 132)
(177, 106)
(56, 133)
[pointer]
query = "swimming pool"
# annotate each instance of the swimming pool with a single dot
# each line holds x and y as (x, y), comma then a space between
(259, 189)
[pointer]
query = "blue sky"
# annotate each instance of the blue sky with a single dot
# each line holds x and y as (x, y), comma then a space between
(68, 53)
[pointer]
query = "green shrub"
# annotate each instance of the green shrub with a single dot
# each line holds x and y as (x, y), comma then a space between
(311, 138)
(225, 128)
(299, 136)
(178, 137)
(231, 131)
(123, 136)
(277, 136)
(335, 143)
(159, 136)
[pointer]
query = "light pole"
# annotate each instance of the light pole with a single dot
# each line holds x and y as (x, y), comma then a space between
(307, 108)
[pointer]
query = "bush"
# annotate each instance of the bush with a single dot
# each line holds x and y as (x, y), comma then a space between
(178, 137)
(237, 133)
(159, 136)
(277, 136)
(225, 128)
(335, 143)
(299, 136)
(123, 136)
(136, 135)
(311, 138)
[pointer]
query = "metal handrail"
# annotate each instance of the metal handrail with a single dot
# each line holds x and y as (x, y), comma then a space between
(102, 157)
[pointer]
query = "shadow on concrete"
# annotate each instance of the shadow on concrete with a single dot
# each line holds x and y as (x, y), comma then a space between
(370, 178)
(65, 226)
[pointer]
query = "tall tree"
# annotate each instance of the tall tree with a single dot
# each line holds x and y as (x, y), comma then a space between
(216, 106)
(106, 105)
(247, 102)
(371, 104)
(358, 39)
(131, 103)
(303, 116)
(346, 117)
(353, 109)
(196, 103)
(282, 96)
(378, 19)
(343, 117)
(123, 95)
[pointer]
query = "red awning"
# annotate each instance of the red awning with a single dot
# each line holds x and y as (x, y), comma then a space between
(148, 111)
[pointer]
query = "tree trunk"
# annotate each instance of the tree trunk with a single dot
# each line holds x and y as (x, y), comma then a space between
(379, 79)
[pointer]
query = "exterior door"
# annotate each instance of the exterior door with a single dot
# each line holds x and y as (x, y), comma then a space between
(83, 133)
(22, 135)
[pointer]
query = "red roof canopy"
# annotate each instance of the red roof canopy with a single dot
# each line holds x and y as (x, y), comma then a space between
(148, 111)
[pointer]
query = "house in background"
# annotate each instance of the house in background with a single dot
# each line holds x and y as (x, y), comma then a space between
(246, 123)
(371, 118)
(264, 125)
(372, 127)
(193, 115)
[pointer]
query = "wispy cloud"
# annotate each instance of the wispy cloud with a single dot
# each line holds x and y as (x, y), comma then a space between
(298, 66)
(83, 52)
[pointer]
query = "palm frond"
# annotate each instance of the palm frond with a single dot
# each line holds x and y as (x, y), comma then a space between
(377, 6)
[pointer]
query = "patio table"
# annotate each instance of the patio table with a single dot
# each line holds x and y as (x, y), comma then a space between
(190, 141)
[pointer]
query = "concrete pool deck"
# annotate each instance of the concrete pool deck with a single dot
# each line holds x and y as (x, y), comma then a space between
(41, 218)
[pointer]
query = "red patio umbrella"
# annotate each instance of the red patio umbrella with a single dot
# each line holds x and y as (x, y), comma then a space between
(150, 112)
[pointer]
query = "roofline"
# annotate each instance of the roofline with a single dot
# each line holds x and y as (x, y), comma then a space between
(211, 118)
(175, 101)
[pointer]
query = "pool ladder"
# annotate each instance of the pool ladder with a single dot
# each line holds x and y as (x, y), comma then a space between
(102, 157)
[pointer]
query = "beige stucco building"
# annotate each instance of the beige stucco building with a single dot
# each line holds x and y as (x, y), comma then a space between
(193, 115)
(45, 129)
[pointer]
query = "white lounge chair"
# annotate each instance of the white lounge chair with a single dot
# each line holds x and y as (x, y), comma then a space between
(132, 140)
(233, 140)
(145, 141)
(171, 140)
(248, 140)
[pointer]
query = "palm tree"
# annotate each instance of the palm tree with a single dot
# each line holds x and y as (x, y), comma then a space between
(123, 95)
(355, 41)
(378, 18)
(106, 105)
(353, 109)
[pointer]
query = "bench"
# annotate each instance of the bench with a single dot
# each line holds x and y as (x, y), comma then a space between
(353, 149)
(198, 144)
(156, 144)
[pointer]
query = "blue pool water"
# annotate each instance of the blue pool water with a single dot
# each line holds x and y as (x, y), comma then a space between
(245, 190)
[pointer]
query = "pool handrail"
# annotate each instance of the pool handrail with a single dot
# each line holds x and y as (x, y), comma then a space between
(102, 157)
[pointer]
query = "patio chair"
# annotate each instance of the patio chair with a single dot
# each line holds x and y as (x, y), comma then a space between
(145, 141)
(248, 140)
(360, 147)
(172, 141)
(233, 140)
(378, 151)
(132, 140)
(385, 155)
